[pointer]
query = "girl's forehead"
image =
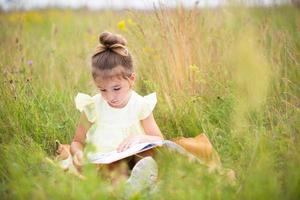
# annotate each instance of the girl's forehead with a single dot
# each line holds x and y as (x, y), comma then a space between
(109, 82)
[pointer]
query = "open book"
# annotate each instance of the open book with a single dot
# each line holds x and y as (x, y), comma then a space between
(109, 157)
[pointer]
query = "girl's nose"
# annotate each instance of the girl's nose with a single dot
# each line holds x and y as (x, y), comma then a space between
(110, 96)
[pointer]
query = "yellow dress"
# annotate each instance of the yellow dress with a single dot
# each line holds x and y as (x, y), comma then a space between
(112, 125)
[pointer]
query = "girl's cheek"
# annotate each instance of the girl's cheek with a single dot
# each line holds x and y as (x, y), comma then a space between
(104, 96)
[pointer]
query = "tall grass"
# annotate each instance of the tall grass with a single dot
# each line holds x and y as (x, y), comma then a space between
(232, 73)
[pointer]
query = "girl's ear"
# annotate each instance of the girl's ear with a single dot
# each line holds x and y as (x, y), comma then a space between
(132, 79)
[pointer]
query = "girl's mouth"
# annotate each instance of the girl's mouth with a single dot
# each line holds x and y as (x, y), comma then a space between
(113, 102)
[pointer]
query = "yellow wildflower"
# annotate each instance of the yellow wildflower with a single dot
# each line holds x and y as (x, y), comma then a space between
(196, 74)
(122, 25)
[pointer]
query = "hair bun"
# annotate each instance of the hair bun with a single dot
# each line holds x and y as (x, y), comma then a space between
(107, 39)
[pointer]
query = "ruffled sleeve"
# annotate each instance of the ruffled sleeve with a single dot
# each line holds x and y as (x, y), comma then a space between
(86, 104)
(147, 105)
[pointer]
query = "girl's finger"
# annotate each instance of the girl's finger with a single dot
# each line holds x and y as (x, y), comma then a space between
(119, 148)
(122, 146)
(128, 144)
(123, 143)
(77, 158)
(125, 146)
(76, 162)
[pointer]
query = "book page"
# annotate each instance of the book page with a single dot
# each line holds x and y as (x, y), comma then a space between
(109, 157)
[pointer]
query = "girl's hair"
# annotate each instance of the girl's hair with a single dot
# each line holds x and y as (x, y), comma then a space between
(110, 54)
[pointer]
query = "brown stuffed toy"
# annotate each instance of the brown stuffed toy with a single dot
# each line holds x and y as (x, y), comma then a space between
(64, 158)
(200, 147)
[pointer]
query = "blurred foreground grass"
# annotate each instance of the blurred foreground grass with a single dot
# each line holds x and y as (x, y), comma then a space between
(232, 73)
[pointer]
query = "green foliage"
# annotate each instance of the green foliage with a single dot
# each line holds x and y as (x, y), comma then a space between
(232, 73)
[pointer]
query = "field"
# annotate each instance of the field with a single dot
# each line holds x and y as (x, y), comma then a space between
(233, 73)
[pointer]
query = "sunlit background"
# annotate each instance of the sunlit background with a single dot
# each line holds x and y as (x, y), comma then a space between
(124, 4)
(228, 69)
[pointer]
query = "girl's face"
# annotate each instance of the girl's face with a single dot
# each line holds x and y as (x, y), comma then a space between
(116, 91)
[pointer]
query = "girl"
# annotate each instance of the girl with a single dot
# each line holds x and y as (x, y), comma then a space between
(120, 116)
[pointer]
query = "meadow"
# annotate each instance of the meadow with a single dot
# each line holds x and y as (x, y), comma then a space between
(232, 73)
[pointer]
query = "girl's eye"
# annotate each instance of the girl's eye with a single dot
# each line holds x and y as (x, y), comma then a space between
(103, 90)
(116, 89)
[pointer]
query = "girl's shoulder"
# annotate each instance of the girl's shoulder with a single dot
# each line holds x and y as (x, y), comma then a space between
(145, 99)
(82, 95)
(145, 104)
(87, 104)
(82, 100)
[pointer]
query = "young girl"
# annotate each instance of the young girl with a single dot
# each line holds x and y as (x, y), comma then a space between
(121, 116)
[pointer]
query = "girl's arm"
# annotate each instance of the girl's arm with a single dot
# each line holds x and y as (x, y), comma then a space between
(152, 134)
(151, 129)
(78, 142)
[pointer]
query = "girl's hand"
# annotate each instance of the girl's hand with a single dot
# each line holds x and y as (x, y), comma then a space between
(78, 160)
(128, 142)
